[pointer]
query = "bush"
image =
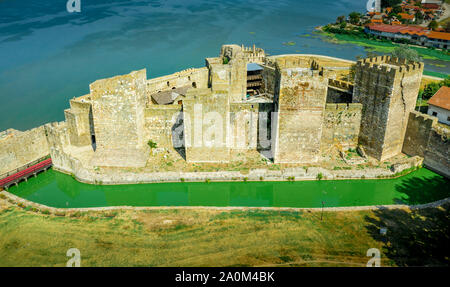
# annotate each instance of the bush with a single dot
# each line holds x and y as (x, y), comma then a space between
(60, 213)
(152, 144)
(261, 178)
(45, 211)
(319, 176)
(182, 179)
(245, 179)
(433, 87)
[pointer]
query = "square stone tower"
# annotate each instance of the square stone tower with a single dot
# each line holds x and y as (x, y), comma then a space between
(300, 106)
(118, 114)
(206, 116)
(387, 88)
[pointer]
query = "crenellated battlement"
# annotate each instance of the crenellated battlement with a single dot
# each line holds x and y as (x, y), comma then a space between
(340, 84)
(423, 118)
(391, 65)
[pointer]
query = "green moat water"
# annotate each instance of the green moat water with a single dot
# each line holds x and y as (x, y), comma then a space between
(59, 190)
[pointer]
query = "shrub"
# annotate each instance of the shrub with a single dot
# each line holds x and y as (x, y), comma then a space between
(182, 179)
(75, 214)
(152, 144)
(45, 211)
(319, 176)
(2, 196)
(60, 213)
(245, 179)
(110, 214)
(207, 180)
(261, 178)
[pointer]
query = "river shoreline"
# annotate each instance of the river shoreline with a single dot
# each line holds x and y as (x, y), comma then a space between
(384, 47)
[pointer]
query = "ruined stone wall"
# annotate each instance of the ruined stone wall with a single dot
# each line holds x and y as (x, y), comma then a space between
(58, 138)
(191, 77)
(418, 133)
(160, 123)
(430, 140)
(206, 116)
(300, 106)
(341, 123)
(244, 125)
(219, 76)
(79, 121)
(388, 90)
(118, 111)
(437, 154)
(18, 148)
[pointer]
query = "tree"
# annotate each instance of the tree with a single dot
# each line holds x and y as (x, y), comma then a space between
(397, 9)
(419, 18)
(433, 87)
(343, 25)
(354, 17)
(340, 19)
(390, 3)
(447, 27)
(403, 52)
(433, 25)
(152, 144)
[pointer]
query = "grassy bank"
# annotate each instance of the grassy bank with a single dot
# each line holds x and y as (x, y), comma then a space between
(381, 46)
(230, 238)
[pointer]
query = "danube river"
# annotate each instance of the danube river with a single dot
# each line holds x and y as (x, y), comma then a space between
(60, 190)
(49, 56)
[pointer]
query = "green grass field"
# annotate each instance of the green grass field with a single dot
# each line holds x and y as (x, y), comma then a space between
(224, 238)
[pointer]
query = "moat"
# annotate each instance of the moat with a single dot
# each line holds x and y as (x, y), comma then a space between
(59, 190)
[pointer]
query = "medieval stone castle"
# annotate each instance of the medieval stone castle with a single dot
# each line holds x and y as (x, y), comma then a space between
(290, 108)
(121, 114)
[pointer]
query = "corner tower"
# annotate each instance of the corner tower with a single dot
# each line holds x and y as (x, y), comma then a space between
(387, 88)
(299, 103)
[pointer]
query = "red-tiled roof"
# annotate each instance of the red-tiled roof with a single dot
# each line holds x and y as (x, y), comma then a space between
(406, 16)
(441, 98)
(410, 30)
(397, 28)
(439, 35)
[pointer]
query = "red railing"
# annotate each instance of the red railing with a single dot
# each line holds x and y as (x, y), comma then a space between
(21, 174)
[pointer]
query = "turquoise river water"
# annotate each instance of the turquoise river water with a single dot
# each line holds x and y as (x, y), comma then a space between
(60, 190)
(48, 55)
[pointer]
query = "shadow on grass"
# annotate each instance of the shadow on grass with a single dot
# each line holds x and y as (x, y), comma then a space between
(413, 238)
(420, 190)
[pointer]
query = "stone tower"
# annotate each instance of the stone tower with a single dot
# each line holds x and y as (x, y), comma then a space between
(118, 113)
(206, 115)
(387, 88)
(300, 106)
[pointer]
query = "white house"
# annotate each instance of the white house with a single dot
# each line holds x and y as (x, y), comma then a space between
(439, 105)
